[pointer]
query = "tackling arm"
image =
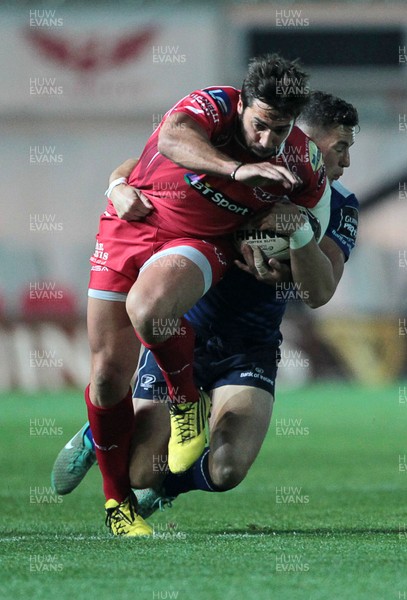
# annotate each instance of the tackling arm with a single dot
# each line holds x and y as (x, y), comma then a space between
(186, 143)
(312, 270)
(317, 269)
(123, 170)
(130, 203)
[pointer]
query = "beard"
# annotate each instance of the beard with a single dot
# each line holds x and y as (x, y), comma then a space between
(255, 150)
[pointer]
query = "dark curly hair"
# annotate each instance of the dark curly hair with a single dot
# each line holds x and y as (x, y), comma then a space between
(324, 110)
(280, 83)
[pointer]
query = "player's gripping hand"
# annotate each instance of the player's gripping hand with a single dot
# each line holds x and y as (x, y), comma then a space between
(266, 174)
(270, 271)
(284, 218)
(130, 203)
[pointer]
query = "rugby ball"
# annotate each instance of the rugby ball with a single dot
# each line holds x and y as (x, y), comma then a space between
(271, 244)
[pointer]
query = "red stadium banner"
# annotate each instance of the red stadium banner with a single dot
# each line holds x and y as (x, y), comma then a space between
(92, 63)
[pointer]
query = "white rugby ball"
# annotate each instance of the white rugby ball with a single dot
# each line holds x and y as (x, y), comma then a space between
(271, 244)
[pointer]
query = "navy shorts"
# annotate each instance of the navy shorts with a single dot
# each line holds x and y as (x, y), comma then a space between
(214, 366)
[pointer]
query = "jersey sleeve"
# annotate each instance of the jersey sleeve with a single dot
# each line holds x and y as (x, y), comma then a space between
(311, 171)
(212, 108)
(322, 210)
(343, 224)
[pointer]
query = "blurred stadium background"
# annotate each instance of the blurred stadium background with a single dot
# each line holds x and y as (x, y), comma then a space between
(83, 86)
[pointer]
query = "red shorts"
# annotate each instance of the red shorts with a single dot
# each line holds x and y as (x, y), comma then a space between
(123, 248)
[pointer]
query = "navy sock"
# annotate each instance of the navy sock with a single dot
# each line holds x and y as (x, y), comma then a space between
(195, 478)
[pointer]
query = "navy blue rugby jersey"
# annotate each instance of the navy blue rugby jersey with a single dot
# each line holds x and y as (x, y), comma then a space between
(343, 224)
(243, 311)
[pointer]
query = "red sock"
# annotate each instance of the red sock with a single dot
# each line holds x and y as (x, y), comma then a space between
(112, 430)
(175, 358)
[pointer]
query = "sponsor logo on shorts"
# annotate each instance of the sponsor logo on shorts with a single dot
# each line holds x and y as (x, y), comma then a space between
(256, 374)
(220, 256)
(99, 256)
(147, 381)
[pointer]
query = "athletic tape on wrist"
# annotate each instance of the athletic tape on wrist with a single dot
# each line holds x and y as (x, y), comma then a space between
(302, 236)
(112, 185)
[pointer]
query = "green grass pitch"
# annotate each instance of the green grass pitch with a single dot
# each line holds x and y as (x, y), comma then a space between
(322, 514)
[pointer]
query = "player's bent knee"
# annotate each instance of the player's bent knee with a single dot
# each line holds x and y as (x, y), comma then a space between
(150, 316)
(143, 473)
(107, 384)
(141, 477)
(227, 475)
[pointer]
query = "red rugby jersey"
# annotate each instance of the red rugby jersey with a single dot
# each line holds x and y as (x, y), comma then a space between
(187, 204)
